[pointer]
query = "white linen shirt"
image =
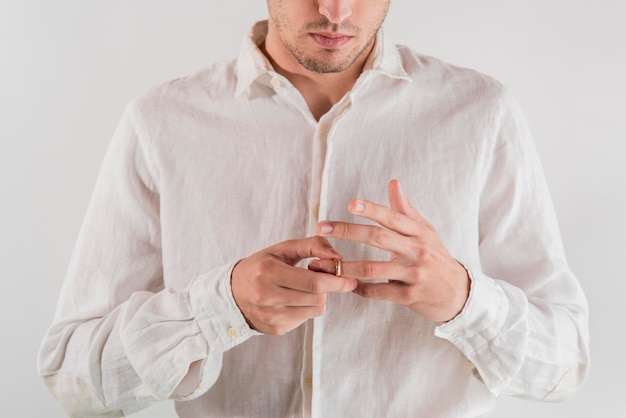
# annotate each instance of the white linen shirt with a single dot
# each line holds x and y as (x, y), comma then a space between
(205, 170)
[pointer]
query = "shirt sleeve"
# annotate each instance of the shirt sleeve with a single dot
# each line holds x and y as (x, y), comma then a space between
(524, 328)
(120, 340)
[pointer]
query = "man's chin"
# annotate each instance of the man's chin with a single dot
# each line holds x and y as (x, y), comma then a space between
(326, 66)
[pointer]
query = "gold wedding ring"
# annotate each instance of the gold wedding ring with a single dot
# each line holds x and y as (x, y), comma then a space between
(338, 266)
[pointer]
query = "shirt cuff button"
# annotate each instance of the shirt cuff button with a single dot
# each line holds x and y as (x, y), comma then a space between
(276, 83)
(233, 332)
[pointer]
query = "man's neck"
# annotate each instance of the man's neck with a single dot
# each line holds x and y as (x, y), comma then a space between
(321, 91)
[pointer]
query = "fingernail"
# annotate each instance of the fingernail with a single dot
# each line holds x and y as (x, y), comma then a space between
(326, 228)
(315, 266)
(358, 206)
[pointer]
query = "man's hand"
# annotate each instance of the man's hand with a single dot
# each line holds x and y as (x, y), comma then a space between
(421, 272)
(277, 297)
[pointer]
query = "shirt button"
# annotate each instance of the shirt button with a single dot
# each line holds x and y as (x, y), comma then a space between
(316, 211)
(321, 128)
(233, 332)
(309, 382)
(275, 82)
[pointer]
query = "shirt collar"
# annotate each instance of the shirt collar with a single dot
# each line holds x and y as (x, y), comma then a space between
(253, 65)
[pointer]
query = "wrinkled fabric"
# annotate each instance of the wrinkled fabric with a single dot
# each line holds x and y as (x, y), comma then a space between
(205, 170)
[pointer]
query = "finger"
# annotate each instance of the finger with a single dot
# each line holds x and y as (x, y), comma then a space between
(367, 270)
(399, 202)
(388, 217)
(375, 236)
(281, 320)
(322, 266)
(286, 297)
(313, 282)
(392, 292)
(293, 251)
(284, 315)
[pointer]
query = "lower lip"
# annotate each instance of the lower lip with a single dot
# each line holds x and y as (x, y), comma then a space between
(330, 43)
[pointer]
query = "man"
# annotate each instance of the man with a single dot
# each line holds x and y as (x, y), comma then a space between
(242, 257)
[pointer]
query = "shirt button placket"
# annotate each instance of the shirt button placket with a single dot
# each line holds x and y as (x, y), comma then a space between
(316, 211)
(320, 138)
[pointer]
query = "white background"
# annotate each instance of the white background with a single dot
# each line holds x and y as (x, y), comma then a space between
(68, 67)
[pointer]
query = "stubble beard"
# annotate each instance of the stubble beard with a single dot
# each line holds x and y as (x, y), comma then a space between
(327, 65)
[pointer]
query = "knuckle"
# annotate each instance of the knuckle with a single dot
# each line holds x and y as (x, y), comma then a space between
(416, 273)
(371, 270)
(421, 252)
(411, 295)
(369, 292)
(319, 311)
(319, 300)
(282, 246)
(379, 236)
(427, 226)
(426, 254)
(344, 229)
(394, 218)
(348, 285)
(318, 241)
(273, 324)
(414, 248)
(372, 210)
(258, 298)
(264, 268)
(316, 285)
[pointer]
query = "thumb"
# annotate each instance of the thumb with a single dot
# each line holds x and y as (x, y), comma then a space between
(293, 251)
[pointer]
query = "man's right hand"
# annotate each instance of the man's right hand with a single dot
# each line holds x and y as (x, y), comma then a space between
(277, 297)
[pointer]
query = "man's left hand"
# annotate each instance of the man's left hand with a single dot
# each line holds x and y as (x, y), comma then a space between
(420, 274)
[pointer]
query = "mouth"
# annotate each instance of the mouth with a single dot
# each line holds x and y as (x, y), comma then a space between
(330, 40)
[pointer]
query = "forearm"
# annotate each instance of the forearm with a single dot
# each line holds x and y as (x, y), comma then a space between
(141, 351)
(524, 346)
